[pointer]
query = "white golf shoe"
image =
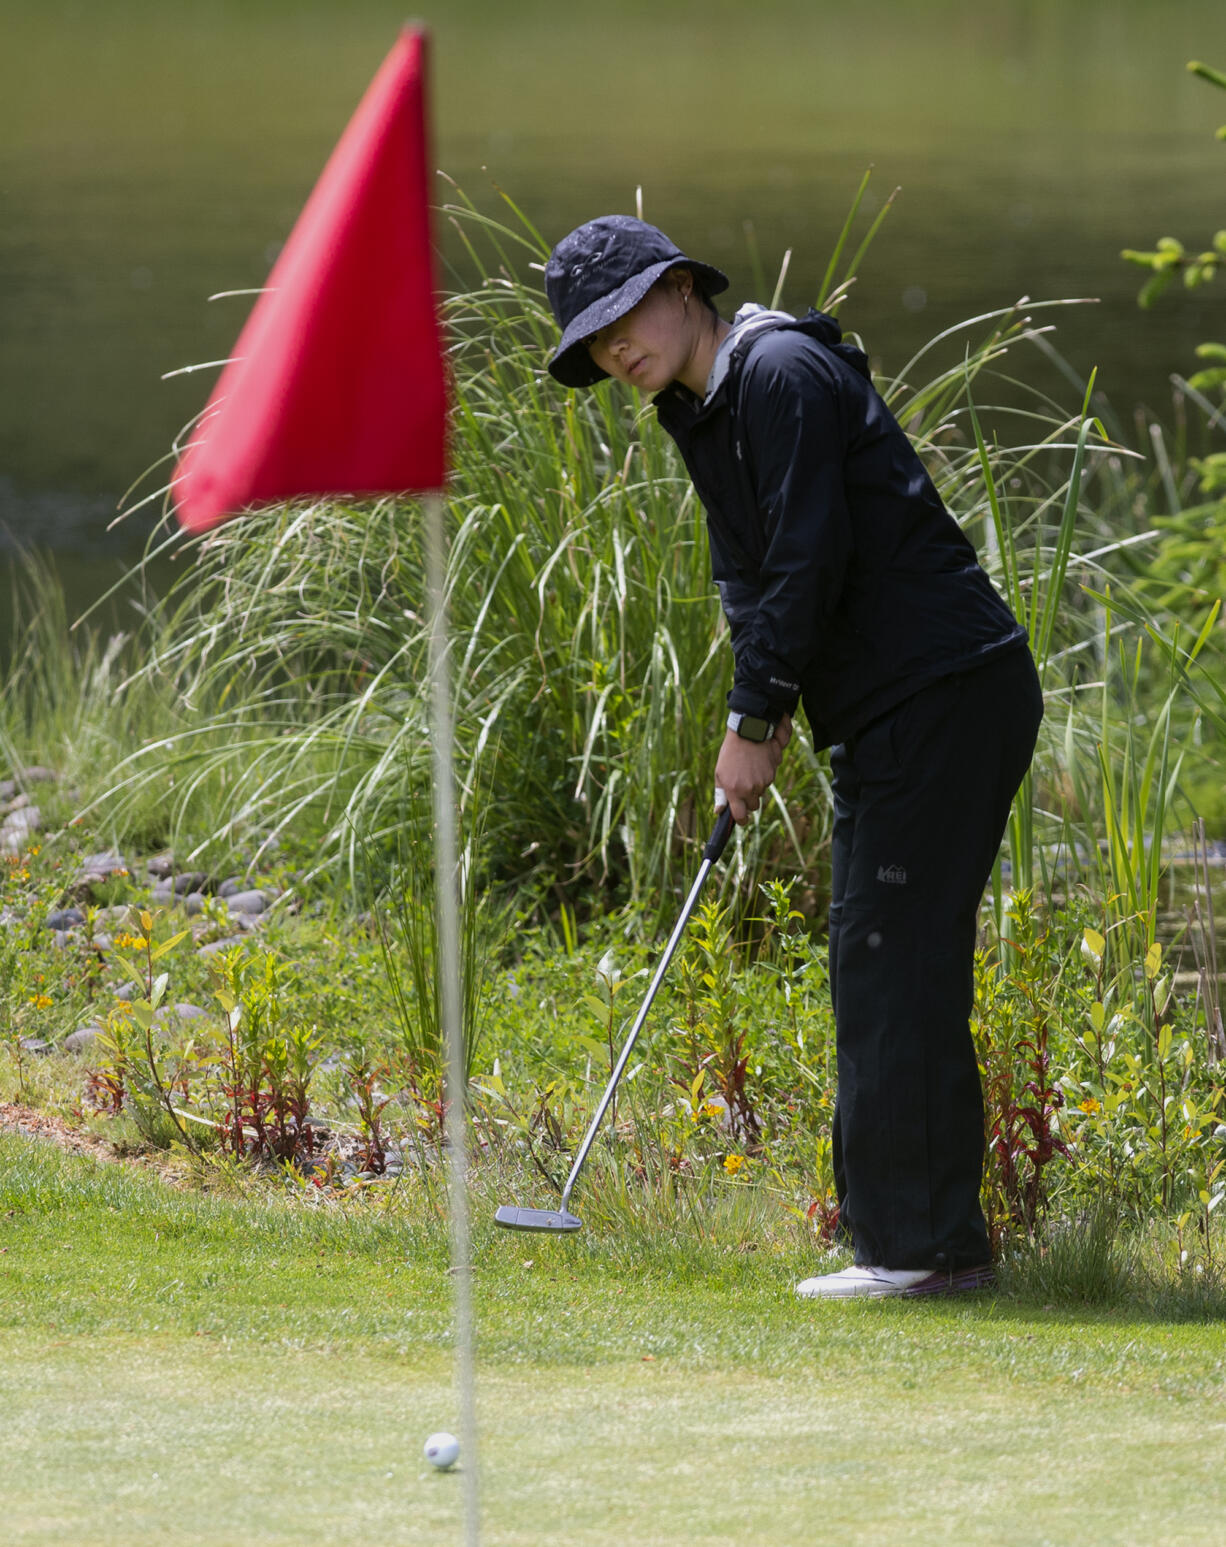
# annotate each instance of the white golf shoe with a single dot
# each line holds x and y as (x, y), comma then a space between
(878, 1283)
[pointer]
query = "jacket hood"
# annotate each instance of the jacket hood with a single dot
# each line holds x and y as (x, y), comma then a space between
(749, 321)
(826, 330)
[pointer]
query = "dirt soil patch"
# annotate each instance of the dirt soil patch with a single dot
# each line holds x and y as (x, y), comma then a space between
(33, 1124)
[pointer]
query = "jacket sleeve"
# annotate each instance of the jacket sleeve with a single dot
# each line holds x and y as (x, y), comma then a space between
(740, 605)
(793, 428)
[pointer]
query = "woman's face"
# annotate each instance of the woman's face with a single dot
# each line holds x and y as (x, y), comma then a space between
(651, 345)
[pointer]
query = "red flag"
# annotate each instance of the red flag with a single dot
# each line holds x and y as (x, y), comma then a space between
(337, 385)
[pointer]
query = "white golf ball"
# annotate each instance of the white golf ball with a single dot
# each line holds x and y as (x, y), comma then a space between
(442, 1450)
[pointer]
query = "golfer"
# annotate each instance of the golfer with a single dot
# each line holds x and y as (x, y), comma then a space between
(848, 589)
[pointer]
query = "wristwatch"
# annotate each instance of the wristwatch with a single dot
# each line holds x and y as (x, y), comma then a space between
(750, 727)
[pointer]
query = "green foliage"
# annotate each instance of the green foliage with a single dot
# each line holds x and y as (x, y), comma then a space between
(590, 660)
(1139, 764)
(1094, 1084)
(1190, 565)
(1014, 1011)
(410, 952)
(1099, 1075)
(714, 1065)
(260, 1067)
(69, 697)
(23, 986)
(134, 1073)
(1171, 259)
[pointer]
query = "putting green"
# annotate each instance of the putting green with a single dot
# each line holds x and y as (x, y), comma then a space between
(174, 1441)
(177, 1369)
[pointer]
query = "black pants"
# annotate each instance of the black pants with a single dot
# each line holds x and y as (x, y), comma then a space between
(921, 799)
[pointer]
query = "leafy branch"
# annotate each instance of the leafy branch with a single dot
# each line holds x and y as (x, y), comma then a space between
(1171, 257)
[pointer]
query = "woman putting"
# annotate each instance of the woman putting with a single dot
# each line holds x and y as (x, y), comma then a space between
(849, 588)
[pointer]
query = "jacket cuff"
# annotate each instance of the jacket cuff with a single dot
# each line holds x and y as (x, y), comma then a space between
(746, 698)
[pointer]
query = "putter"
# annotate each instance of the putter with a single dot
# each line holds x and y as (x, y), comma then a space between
(511, 1217)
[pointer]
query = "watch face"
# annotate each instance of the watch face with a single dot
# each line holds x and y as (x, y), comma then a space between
(752, 728)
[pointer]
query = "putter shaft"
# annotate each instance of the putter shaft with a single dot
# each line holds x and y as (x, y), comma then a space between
(511, 1217)
(715, 847)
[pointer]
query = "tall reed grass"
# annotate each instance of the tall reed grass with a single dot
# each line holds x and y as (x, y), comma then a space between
(73, 698)
(590, 659)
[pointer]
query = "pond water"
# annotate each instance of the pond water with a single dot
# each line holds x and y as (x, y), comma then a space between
(152, 154)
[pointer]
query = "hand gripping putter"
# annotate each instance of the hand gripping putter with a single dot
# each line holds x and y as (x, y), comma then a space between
(561, 1219)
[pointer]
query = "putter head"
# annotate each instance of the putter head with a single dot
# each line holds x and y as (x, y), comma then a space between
(512, 1218)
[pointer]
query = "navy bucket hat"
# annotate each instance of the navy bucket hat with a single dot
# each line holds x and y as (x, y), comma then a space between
(597, 273)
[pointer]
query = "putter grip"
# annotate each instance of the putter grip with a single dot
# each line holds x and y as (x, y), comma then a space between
(720, 834)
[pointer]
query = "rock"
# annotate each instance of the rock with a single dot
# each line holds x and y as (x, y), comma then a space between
(65, 918)
(60, 938)
(164, 891)
(82, 1040)
(18, 827)
(102, 943)
(161, 866)
(231, 885)
(18, 803)
(193, 903)
(37, 1046)
(107, 864)
(215, 947)
(179, 1012)
(190, 881)
(128, 992)
(39, 775)
(248, 902)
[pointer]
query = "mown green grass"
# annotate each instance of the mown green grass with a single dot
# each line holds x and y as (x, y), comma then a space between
(182, 1368)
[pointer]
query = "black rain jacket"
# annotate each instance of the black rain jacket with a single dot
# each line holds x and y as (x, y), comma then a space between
(844, 579)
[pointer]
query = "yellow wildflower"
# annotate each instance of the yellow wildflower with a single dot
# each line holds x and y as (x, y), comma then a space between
(1090, 1105)
(733, 1164)
(41, 1001)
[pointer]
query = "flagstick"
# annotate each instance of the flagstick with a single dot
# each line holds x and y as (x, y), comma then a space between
(448, 967)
